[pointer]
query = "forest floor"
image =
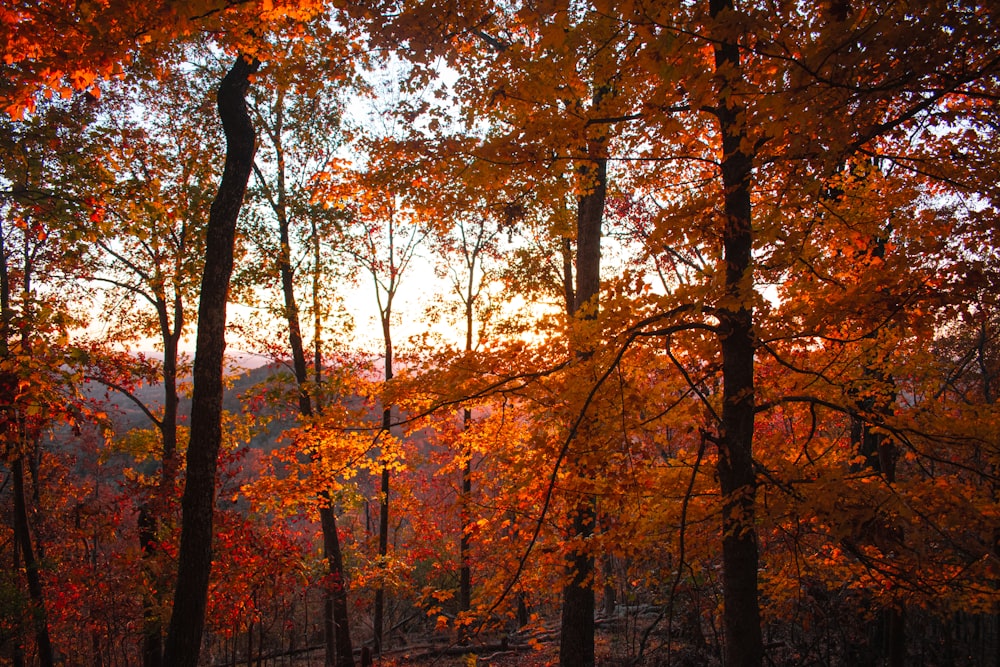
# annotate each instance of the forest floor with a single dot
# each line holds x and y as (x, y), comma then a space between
(543, 652)
(538, 647)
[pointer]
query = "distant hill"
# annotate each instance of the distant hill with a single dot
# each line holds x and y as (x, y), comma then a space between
(126, 415)
(254, 389)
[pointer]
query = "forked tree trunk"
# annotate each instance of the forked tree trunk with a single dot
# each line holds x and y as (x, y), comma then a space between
(336, 628)
(465, 497)
(194, 566)
(741, 615)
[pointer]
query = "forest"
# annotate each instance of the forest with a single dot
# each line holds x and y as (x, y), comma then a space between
(536, 332)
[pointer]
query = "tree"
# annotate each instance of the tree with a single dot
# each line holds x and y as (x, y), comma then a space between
(382, 241)
(816, 186)
(300, 120)
(195, 558)
(761, 108)
(160, 172)
(40, 199)
(474, 242)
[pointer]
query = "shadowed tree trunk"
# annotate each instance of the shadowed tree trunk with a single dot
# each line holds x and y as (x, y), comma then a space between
(151, 515)
(887, 634)
(187, 621)
(741, 616)
(383, 514)
(576, 641)
(21, 438)
(23, 537)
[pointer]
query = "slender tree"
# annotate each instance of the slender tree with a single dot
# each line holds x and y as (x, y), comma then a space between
(301, 134)
(183, 643)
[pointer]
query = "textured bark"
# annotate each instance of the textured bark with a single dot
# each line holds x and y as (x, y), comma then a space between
(187, 622)
(741, 616)
(576, 639)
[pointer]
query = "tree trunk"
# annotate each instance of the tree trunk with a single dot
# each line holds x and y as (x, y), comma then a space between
(336, 627)
(888, 637)
(22, 534)
(383, 551)
(339, 614)
(378, 619)
(465, 497)
(741, 616)
(151, 514)
(197, 506)
(152, 626)
(464, 546)
(576, 641)
(17, 438)
(171, 400)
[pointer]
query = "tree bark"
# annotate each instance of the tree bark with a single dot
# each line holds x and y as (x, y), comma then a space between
(576, 640)
(741, 616)
(187, 621)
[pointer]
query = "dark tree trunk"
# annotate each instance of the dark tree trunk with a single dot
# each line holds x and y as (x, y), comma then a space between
(610, 593)
(741, 616)
(22, 534)
(378, 620)
(151, 515)
(197, 506)
(576, 640)
(383, 551)
(171, 400)
(152, 627)
(15, 422)
(465, 498)
(888, 641)
(339, 614)
(464, 546)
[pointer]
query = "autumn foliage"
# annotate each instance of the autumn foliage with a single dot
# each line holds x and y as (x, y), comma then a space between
(683, 311)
